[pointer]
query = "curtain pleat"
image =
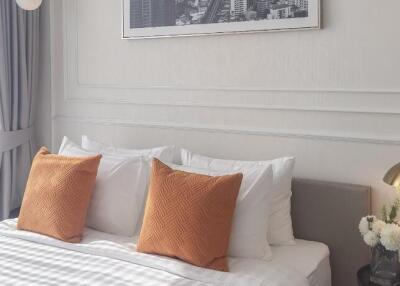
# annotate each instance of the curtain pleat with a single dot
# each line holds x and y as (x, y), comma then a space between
(19, 52)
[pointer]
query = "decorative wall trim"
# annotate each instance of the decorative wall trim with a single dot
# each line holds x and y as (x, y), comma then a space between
(236, 88)
(71, 33)
(130, 101)
(312, 135)
(77, 91)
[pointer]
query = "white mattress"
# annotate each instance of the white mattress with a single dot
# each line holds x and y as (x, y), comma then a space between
(102, 259)
(308, 258)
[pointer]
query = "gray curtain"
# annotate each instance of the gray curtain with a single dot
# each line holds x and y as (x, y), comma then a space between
(19, 52)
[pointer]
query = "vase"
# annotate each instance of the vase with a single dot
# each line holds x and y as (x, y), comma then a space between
(385, 266)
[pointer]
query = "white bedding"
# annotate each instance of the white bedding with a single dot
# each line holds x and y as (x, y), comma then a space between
(102, 259)
(310, 259)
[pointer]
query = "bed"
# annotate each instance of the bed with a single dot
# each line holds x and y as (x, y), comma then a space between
(328, 248)
(309, 259)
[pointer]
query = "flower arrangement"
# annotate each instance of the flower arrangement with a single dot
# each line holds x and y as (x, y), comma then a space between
(385, 231)
(383, 236)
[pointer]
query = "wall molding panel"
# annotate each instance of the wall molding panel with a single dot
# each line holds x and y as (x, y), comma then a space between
(315, 99)
(373, 102)
(388, 140)
(71, 37)
(207, 104)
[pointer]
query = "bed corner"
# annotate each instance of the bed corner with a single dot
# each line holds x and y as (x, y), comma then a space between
(330, 213)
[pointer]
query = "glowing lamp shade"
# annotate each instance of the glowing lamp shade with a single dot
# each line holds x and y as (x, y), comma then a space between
(29, 4)
(392, 176)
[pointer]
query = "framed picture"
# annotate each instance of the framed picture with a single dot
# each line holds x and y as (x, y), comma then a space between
(170, 18)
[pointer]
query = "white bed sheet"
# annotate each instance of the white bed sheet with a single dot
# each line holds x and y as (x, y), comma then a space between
(308, 258)
(101, 259)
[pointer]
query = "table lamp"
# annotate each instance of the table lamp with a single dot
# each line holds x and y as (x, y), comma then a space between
(29, 5)
(392, 177)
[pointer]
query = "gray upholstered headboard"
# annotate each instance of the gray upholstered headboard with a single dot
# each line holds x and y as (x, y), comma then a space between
(330, 213)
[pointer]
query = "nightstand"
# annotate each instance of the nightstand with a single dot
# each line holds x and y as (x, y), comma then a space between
(363, 276)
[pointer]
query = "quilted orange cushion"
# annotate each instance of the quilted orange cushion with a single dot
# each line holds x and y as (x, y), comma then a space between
(189, 216)
(57, 195)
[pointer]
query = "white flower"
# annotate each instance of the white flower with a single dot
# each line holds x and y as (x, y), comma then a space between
(377, 226)
(364, 224)
(371, 238)
(390, 237)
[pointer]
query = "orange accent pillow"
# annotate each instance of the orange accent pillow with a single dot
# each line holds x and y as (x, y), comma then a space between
(58, 194)
(189, 216)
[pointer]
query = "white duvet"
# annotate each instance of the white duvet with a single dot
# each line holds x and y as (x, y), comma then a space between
(31, 259)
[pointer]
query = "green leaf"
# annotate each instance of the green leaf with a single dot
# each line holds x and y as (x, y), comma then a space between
(384, 214)
(394, 210)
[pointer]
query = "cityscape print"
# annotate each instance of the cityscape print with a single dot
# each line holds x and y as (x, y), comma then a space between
(160, 13)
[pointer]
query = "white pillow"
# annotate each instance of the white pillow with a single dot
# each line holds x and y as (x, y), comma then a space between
(250, 220)
(280, 230)
(164, 153)
(119, 192)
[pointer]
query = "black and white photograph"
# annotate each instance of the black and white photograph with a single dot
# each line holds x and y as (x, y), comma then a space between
(157, 18)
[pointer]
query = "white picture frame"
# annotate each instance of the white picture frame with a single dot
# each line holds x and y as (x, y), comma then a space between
(140, 17)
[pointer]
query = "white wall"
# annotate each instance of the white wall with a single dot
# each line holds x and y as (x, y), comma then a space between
(329, 97)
